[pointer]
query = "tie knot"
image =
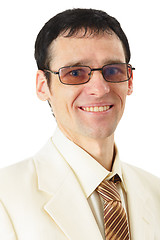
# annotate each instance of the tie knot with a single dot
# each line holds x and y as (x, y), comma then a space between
(108, 191)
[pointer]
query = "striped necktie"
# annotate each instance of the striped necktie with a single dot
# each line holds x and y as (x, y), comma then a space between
(115, 218)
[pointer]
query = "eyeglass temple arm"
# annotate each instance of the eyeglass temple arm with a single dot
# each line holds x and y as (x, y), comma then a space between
(46, 70)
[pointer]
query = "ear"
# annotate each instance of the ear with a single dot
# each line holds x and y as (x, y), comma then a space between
(130, 85)
(42, 88)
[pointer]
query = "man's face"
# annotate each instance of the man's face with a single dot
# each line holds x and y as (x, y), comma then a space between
(91, 110)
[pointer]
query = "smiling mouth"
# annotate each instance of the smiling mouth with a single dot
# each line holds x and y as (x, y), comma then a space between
(97, 108)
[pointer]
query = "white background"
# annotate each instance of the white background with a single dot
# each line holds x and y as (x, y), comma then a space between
(26, 123)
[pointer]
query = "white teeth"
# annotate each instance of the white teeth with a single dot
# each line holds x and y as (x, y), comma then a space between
(96, 109)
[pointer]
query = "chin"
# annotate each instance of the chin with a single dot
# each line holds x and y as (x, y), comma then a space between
(99, 133)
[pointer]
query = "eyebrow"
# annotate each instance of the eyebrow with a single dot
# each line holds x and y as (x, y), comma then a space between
(77, 63)
(86, 62)
(112, 61)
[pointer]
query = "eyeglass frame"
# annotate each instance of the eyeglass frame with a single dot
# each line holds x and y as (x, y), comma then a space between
(90, 74)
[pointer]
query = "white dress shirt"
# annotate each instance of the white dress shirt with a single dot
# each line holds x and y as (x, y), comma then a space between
(89, 174)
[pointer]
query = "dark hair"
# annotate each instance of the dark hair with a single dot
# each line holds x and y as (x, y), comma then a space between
(71, 21)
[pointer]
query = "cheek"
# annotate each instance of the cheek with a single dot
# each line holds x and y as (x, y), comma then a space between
(121, 92)
(64, 98)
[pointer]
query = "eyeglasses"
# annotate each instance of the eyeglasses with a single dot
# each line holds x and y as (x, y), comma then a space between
(76, 75)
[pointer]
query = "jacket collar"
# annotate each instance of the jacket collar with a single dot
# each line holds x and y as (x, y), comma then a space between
(139, 206)
(87, 170)
(76, 218)
(56, 178)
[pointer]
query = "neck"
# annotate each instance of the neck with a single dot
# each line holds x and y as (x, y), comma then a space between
(101, 150)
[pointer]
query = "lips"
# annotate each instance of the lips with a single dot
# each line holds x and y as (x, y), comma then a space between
(96, 108)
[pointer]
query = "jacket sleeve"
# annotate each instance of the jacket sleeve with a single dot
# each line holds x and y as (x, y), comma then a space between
(6, 228)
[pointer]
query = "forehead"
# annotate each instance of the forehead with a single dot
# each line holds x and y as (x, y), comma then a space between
(89, 50)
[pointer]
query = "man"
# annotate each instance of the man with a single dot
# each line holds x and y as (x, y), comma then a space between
(84, 74)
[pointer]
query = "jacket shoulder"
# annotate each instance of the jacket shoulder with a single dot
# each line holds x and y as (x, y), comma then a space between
(14, 175)
(148, 180)
(17, 167)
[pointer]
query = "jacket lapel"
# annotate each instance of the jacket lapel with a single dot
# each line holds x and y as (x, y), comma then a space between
(68, 206)
(140, 215)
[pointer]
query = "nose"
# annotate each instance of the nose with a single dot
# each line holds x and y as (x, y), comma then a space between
(97, 85)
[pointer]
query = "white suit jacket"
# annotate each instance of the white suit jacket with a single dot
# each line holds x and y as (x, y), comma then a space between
(41, 199)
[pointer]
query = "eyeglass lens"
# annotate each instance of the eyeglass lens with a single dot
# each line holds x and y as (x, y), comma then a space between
(116, 72)
(74, 75)
(81, 74)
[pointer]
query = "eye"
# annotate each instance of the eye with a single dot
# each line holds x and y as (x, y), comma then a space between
(76, 73)
(72, 72)
(111, 71)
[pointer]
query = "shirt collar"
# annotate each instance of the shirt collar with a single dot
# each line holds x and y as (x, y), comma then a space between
(87, 170)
